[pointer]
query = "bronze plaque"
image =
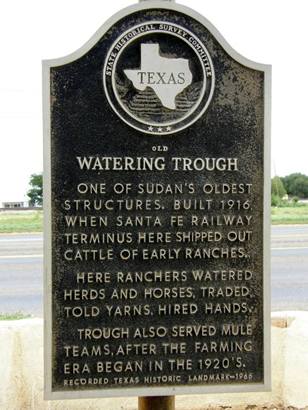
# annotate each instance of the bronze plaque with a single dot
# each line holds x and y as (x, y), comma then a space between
(156, 211)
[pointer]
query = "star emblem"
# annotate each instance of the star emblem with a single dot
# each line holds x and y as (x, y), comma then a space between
(150, 128)
(159, 129)
(168, 128)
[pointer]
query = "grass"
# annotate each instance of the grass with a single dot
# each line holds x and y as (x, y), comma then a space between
(290, 214)
(21, 221)
(32, 221)
(13, 316)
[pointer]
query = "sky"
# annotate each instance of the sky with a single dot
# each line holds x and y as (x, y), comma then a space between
(266, 31)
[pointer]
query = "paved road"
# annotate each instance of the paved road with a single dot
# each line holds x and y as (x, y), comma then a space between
(290, 267)
(21, 271)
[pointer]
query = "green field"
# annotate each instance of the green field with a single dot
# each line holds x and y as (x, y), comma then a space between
(14, 316)
(290, 214)
(21, 221)
(32, 221)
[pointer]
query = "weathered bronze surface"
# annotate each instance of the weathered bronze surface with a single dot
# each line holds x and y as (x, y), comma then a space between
(157, 264)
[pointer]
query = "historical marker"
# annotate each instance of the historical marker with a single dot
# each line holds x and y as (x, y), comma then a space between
(156, 211)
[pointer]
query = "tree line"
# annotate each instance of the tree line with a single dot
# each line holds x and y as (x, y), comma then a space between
(293, 186)
(35, 193)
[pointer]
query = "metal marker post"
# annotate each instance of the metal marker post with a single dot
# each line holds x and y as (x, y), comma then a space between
(156, 403)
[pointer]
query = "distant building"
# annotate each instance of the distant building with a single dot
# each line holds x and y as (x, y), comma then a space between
(15, 204)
